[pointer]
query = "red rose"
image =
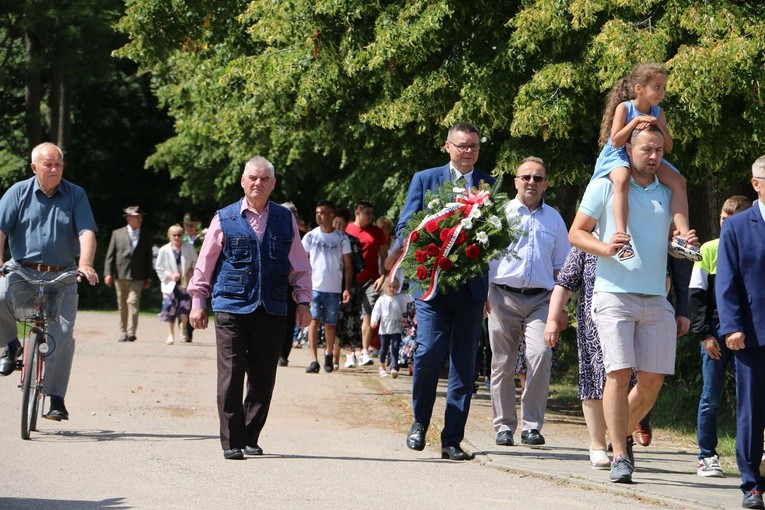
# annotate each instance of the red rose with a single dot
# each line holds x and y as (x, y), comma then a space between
(422, 273)
(445, 264)
(420, 256)
(461, 238)
(414, 236)
(445, 234)
(472, 252)
(432, 227)
(432, 250)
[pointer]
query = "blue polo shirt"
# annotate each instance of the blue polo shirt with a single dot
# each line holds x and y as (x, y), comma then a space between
(45, 230)
(648, 223)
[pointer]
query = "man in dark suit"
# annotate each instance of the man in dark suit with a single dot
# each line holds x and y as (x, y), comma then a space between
(128, 265)
(740, 291)
(450, 322)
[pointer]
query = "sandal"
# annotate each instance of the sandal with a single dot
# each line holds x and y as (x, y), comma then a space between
(626, 252)
(679, 246)
(599, 459)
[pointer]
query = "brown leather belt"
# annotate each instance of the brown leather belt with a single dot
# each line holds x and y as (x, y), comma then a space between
(522, 292)
(43, 268)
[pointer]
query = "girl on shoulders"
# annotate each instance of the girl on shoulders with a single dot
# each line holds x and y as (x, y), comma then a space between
(634, 103)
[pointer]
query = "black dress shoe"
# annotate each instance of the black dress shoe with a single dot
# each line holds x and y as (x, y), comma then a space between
(532, 437)
(131, 338)
(8, 359)
(455, 453)
(233, 454)
(416, 438)
(57, 411)
(253, 450)
(505, 438)
(753, 500)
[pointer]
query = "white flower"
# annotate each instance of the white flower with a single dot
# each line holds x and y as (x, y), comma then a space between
(458, 191)
(467, 223)
(433, 204)
(487, 203)
(475, 212)
(482, 237)
(495, 221)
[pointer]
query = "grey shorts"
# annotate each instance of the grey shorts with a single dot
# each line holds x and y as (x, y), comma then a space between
(636, 331)
(368, 297)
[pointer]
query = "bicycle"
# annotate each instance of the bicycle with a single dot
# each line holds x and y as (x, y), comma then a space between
(35, 303)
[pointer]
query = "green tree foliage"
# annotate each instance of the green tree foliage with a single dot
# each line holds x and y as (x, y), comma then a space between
(350, 97)
(109, 116)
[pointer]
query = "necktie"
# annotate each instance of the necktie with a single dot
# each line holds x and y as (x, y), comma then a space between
(462, 182)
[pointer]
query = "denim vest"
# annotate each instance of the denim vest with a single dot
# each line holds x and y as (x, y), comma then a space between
(249, 272)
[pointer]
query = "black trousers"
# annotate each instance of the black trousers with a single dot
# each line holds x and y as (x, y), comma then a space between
(248, 344)
(289, 328)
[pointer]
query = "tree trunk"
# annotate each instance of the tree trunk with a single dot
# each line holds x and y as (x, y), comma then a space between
(60, 100)
(705, 201)
(33, 91)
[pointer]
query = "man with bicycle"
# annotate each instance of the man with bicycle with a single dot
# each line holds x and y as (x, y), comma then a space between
(49, 225)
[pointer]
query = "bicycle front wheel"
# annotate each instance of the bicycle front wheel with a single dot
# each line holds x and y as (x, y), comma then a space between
(30, 388)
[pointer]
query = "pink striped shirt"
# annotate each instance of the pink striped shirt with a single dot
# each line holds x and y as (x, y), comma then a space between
(200, 286)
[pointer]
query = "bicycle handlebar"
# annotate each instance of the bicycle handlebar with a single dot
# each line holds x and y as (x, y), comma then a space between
(9, 267)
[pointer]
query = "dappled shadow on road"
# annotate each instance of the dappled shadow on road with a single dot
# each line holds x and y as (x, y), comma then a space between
(116, 435)
(344, 458)
(58, 504)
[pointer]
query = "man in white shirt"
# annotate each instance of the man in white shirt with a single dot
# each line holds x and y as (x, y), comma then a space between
(519, 297)
(329, 251)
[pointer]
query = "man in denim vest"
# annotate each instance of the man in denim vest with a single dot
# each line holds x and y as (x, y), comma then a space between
(251, 253)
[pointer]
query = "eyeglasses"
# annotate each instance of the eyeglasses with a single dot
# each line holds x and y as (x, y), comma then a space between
(465, 148)
(527, 178)
(758, 177)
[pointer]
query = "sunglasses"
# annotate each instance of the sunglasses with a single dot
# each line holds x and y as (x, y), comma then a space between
(527, 178)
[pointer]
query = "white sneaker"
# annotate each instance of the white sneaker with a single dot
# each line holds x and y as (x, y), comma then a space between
(383, 373)
(169, 340)
(710, 466)
(599, 459)
(350, 361)
(365, 359)
(394, 373)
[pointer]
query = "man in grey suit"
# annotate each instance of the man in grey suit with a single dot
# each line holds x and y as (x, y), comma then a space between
(128, 263)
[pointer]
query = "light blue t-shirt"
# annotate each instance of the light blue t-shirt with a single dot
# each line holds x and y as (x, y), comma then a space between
(45, 230)
(648, 223)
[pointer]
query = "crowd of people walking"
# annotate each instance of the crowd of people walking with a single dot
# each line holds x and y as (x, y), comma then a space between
(267, 276)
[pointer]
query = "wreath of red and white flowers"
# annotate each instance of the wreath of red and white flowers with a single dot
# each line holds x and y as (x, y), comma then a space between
(455, 237)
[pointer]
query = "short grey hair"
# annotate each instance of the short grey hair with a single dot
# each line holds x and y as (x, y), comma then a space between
(533, 159)
(259, 162)
(758, 167)
(46, 145)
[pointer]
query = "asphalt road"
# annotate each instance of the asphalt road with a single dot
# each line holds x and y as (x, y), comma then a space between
(143, 433)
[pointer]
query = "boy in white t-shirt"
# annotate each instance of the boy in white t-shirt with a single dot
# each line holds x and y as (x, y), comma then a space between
(389, 313)
(330, 253)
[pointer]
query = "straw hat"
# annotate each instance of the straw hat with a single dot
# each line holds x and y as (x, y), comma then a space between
(133, 210)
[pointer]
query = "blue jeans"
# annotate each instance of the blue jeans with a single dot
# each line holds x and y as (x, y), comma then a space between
(713, 374)
(390, 343)
(325, 306)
